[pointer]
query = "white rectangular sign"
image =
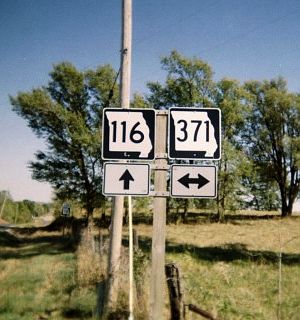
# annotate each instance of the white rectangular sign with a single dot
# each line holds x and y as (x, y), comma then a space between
(126, 179)
(191, 181)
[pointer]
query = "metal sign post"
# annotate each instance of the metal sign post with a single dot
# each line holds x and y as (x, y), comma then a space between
(159, 221)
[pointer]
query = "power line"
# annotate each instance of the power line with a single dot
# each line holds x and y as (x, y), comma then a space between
(159, 30)
(242, 34)
(246, 33)
(179, 21)
(214, 47)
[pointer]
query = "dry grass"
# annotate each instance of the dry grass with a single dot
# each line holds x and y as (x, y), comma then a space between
(229, 269)
(253, 234)
(38, 279)
(232, 269)
(91, 267)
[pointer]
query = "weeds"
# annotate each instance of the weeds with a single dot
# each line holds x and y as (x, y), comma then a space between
(230, 270)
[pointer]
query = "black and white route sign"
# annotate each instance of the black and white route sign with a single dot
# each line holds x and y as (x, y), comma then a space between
(195, 133)
(128, 134)
(126, 179)
(193, 181)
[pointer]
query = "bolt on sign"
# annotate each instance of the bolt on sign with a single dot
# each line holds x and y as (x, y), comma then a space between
(128, 134)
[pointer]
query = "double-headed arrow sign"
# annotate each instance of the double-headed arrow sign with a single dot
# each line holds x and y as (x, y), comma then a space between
(186, 181)
(193, 181)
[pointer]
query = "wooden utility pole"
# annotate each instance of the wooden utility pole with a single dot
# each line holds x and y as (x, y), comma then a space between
(159, 220)
(126, 53)
(118, 202)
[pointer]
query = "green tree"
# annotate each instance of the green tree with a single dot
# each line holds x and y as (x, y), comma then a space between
(272, 137)
(139, 102)
(263, 192)
(67, 114)
(233, 165)
(4, 198)
(188, 84)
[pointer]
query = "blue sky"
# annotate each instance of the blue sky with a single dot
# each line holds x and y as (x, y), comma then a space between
(245, 40)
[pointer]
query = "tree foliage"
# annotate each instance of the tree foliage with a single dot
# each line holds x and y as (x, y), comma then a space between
(20, 211)
(260, 131)
(272, 137)
(234, 164)
(67, 114)
(188, 84)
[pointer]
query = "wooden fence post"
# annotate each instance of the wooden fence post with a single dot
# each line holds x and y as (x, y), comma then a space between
(175, 294)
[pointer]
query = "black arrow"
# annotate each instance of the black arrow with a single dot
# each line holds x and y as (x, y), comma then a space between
(186, 181)
(126, 177)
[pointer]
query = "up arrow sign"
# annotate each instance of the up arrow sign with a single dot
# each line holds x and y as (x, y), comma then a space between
(126, 177)
(186, 181)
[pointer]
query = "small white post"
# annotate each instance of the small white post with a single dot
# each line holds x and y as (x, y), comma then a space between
(131, 284)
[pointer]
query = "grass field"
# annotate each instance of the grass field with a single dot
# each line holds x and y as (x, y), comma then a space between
(38, 279)
(229, 269)
(232, 269)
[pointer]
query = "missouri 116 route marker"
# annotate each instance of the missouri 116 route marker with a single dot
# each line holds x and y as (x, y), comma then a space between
(128, 134)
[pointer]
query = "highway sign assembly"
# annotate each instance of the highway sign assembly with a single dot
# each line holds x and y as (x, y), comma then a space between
(128, 134)
(126, 179)
(195, 133)
(191, 181)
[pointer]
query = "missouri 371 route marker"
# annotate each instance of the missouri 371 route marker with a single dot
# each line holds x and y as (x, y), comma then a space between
(194, 133)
